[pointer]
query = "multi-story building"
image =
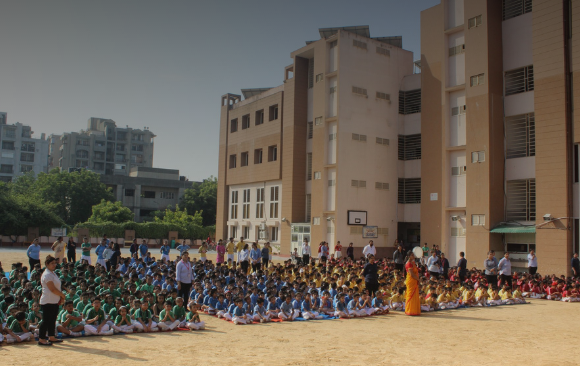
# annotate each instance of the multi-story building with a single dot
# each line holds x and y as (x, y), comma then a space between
(20, 152)
(500, 169)
(103, 148)
(146, 190)
(315, 157)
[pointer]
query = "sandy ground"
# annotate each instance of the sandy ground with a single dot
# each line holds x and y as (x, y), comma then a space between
(541, 333)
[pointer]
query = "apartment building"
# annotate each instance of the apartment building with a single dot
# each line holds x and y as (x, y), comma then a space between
(146, 190)
(103, 148)
(315, 158)
(501, 169)
(20, 152)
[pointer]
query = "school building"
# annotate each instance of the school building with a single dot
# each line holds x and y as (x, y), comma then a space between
(318, 157)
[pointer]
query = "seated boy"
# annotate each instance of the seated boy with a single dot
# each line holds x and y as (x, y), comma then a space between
(240, 316)
(287, 311)
(18, 330)
(193, 321)
(167, 319)
(354, 306)
(70, 321)
(123, 323)
(179, 312)
(144, 319)
(96, 320)
(306, 307)
(260, 312)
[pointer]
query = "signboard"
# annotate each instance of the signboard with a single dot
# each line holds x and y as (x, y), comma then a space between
(370, 232)
(434, 196)
(58, 231)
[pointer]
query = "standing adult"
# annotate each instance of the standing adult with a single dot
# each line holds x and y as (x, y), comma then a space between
(412, 300)
(182, 248)
(143, 249)
(134, 248)
(266, 255)
(305, 252)
(239, 247)
(244, 259)
(99, 251)
(371, 275)
(575, 266)
(370, 249)
(221, 251)
(532, 262)
(324, 252)
(71, 251)
(399, 258)
(505, 270)
(107, 254)
(86, 251)
(115, 257)
(444, 269)
(49, 300)
(230, 249)
(462, 267)
(33, 253)
(184, 277)
(433, 264)
(58, 246)
(490, 265)
(338, 250)
(350, 252)
(256, 257)
(165, 250)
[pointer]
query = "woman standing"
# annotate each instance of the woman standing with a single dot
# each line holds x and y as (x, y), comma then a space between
(350, 252)
(33, 254)
(243, 258)
(49, 300)
(371, 274)
(58, 248)
(221, 251)
(71, 251)
(115, 256)
(413, 303)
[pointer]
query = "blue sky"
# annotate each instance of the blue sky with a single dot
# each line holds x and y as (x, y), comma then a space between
(165, 64)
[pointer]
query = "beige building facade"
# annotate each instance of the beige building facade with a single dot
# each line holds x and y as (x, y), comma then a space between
(500, 169)
(316, 158)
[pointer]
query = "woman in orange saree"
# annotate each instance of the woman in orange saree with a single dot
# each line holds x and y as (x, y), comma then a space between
(412, 301)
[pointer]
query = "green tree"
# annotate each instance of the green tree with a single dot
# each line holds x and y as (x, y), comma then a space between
(202, 197)
(180, 217)
(108, 211)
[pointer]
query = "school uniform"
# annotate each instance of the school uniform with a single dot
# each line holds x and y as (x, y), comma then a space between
(167, 324)
(260, 313)
(307, 312)
(91, 329)
(342, 310)
(286, 309)
(21, 332)
(123, 325)
(145, 316)
(165, 249)
(239, 312)
(193, 322)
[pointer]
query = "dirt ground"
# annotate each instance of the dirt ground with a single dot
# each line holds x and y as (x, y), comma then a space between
(541, 333)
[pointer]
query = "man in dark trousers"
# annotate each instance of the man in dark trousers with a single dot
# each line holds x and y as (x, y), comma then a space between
(134, 248)
(399, 258)
(462, 267)
(575, 266)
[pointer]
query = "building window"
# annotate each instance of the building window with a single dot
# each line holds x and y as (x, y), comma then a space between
(234, 205)
(477, 80)
(24, 168)
(167, 195)
(359, 44)
(120, 147)
(359, 91)
(82, 154)
(98, 166)
(274, 234)
(474, 22)
(519, 81)
(7, 145)
(520, 248)
(458, 170)
(28, 157)
(273, 112)
(10, 133)
(316, 221)
(310, 130)
(409, 190)
(233, 161)
(521, 200)
(145, 213)
(317, 175)
(148, 194)
(137, 159)
(246, 231)
(410, 147)
(245, 121)
(456, 50)
(477, 220)
(258, 156)
(520, 136)
(357, 137)
(309, 166)
(82, 164)
(260, 203)
(383, 51)
(310, 73)
(456, 111)
(137, 137)
(319, 77)
(382, 141)
(318, 121)
(246, 205)
(308, 207)
(234, 125)
(245, 160)
(274, 202)
(457, 232)
(83, 142)
(331, 182)
(259, 117)
(384, 96)
(129, 192)
(29, 146)
(478, 156)
(332, 90)
(358, 183)
(382, 186)
(410, 101)
(514, 8)
(136, 147)
(233, 232)
(273, 153)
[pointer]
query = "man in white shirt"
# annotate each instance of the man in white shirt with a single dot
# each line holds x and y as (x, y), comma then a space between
(370, 249)
(532, 262)
(505, 270)
(305, 252)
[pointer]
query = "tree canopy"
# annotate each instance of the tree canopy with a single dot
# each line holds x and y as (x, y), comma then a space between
(202, 197)
(108, 211)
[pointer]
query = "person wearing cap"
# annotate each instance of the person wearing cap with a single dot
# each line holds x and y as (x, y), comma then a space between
(399, 258)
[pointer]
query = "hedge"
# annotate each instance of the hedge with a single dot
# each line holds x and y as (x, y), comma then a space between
(149, 230)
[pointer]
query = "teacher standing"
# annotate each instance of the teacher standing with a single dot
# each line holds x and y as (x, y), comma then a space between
(71, 251)
(58, 248)
(49, 300)
(184, 277)
(532, 262)
(33, 254)
(412, 301)
(371, 274)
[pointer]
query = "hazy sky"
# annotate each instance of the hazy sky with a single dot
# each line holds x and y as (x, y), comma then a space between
(165, 64)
